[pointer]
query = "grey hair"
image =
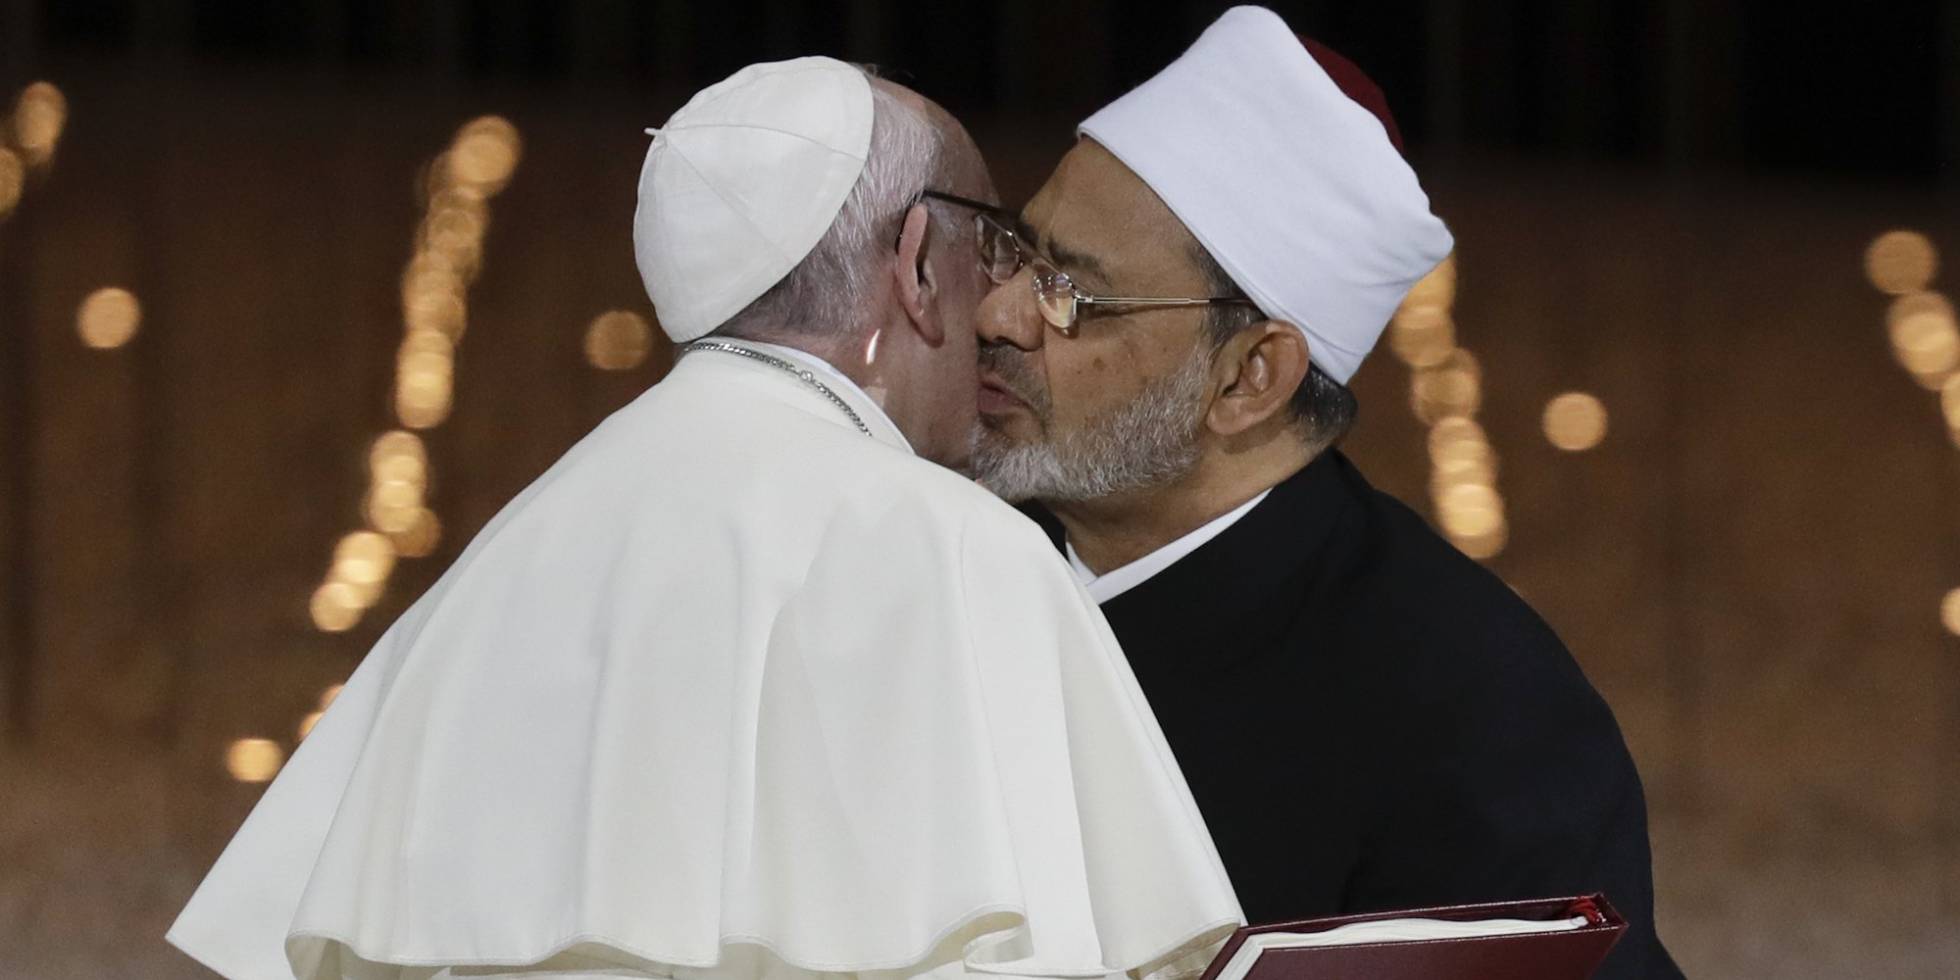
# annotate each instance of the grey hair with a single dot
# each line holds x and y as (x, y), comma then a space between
(1146, 443)
(827, 294)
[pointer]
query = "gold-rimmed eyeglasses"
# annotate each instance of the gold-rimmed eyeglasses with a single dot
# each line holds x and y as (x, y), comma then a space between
(1060, 300)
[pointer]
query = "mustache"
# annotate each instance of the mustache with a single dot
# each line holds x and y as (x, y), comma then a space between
(1011, 366)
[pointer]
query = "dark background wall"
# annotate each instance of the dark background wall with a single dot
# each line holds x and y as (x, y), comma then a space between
(1865, 90)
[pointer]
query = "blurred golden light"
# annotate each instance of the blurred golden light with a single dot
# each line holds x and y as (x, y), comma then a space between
(306, 724)
(453, 231)
(429, 376)
(1437, 289)
(408, 471)
(422, 535)
(433, 311)
(436, 311)
(108, 318)
(341, 594)
(1462, 472)
(437, 178)
(336, 607)
(1927, 343)
(426, 290)
(1451, 448)
(328, 695)
(1934, 380)
(427, 352)
(1912, 304)
(434, 283)
(425, 367)
(392, 506)
(39, 115)
(366, 594)
(1901, 261)
(492, 127)
(13, 177)
(1422, 336)
(432, 272)
(253, 760)
(1459, 452)
(1487, 545)
(1950, 612)
(1453, 387)
(1950, 402)
(618, 341)
(464, 252)
(363, 558)
(422, 399)
(458, 200)
(484, 154)
(399, 455)
(1575, 421)
(424, 413)
(1449, 433)
(433, 267)
(1445, 392)
(1470, 510)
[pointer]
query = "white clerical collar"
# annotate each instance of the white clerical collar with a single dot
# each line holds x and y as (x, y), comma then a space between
(881, 424)
(1103, 588)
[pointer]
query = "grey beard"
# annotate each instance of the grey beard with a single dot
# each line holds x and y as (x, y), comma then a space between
(1147, 443)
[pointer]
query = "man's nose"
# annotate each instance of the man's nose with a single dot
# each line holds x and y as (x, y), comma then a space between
(1008, 314)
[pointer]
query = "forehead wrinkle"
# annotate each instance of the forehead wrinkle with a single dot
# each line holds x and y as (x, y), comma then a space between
(1073, 260)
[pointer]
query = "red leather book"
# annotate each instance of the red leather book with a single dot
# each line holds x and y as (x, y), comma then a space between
(1547, 939)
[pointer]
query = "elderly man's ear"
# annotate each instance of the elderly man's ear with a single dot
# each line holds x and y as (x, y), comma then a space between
(1257, 373)
(914, 275)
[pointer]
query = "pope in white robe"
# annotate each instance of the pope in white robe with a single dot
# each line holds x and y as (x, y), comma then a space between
(736, 690)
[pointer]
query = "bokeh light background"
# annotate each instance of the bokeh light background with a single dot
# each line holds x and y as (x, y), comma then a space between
(294, 297)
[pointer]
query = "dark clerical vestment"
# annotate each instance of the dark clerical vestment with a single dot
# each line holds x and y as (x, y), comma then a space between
(1370, 720)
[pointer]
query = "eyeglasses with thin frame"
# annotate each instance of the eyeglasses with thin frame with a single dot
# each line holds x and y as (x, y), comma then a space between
(1060, 300)
(1057, 297)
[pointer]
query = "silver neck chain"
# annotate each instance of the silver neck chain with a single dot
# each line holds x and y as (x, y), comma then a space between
(806, 376)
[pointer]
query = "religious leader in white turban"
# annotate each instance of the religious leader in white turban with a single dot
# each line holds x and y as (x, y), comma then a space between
(1179, 312)
(744, 688)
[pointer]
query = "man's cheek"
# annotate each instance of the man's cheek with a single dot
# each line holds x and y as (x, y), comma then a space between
(1075, 391)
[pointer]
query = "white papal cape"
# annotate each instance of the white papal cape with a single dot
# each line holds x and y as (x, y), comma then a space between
(732, 692)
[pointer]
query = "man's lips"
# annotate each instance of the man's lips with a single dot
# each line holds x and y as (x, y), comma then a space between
(996, 397)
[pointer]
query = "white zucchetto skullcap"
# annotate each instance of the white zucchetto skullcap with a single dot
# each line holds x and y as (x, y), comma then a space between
(1291, 186)
(743, 182)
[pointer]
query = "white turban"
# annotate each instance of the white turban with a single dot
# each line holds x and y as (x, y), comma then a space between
(1292, 187)
(743, 182)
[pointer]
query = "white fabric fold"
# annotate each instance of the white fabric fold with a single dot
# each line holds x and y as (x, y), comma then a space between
(731, 692)
(1292, 186)
(742, 182)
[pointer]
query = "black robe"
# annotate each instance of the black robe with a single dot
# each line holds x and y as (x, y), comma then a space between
(1370, 720)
